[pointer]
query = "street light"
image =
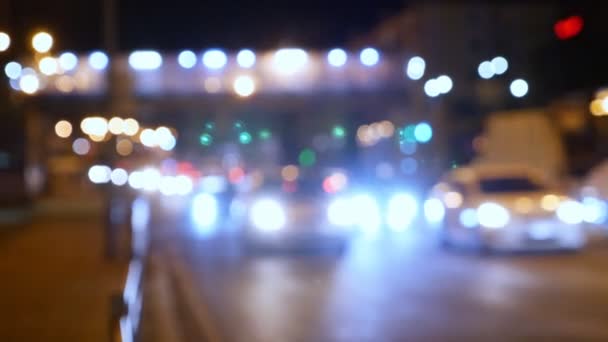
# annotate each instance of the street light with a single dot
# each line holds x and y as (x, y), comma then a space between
(42, 42)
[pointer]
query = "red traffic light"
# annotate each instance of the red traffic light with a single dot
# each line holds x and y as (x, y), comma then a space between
(569, 27)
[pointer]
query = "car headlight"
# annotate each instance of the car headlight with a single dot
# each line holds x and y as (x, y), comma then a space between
(595, 210)
(570, 212)
(402, 209)
(339, 212)
(434, 211)
(492, 215)
(205, 210)
(366, 212)
(268, 215)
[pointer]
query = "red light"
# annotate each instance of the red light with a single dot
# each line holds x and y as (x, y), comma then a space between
(235, 175)
(329, 186)
(569, 27)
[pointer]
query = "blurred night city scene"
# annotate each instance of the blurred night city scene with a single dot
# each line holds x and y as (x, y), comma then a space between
(390, 170)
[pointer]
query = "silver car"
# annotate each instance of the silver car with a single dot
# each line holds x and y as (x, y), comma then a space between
(511, 208)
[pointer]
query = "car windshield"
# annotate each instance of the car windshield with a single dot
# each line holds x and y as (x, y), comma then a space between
(509, 184)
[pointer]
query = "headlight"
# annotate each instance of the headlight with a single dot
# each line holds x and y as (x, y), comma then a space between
(366, 212)
(402, 209)
(434, 211)
(595, 210)
(268, 215)
(570, 212)
(205, 210)
(339, 212)
(492, 215)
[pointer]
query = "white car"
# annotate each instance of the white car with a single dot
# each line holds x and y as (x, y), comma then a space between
(504, 208)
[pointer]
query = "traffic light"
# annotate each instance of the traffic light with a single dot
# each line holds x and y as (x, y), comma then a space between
(568, 28)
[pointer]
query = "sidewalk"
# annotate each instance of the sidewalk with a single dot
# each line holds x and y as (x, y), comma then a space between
(55, 284)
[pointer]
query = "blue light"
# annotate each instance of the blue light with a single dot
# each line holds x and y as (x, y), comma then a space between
(423, 132)
(98, 60)
(215, 59)
(205, 211)
(415, 68)
(186, 59)
(369, 56)
(13, 70)
(468, 218)
(402, 209)
(68, 61)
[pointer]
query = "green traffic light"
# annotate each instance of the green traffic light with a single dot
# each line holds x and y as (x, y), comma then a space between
(206, 139)
(307, 157)
(338, 132)
(408, 134)
(244, 138)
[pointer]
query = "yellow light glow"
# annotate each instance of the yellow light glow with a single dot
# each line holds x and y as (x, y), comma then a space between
(452, 199)
(244, 86)
(97, 138)
(387, 129)
(124, 147)
(65, 84)
(94, 125)
(42, 42)
(550, 202)
(524, 205)
(130, 127)
(290, 173)
(63, 129)
(115, 125)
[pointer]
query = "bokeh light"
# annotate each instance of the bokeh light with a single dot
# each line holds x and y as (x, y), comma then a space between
(145, 60)
(423, 132)
(245, 58)
(409, 166)
(338, 132)
(290, 173)
(431, 88)
(290, 61)
(12, 70)
(212, 84)
(116, 125)
(48, 66)
(98, 60)
(148, 137)
(444, 84)
(5, 41)
(119, 177)
(130, 127)
(307, 157)
(214, 59)
(485, 70)
(68, 61)
(415, 68)
(244, 86)
(65, 84)
(94, 126)
(337, 57)
(81, 146)
(500, 65)
(42, 42)
(63, 129)
(206, 139)
(29, 83)
(124, 147)
(519, 88)
(186, 59)
(99, 174)
(369, 56)
(245, 138)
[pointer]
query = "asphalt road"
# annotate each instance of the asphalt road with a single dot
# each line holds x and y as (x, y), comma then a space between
(390, 288)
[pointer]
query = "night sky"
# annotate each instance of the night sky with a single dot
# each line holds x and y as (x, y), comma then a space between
(177, 24)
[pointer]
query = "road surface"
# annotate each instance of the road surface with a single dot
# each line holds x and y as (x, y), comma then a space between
(390, 288)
